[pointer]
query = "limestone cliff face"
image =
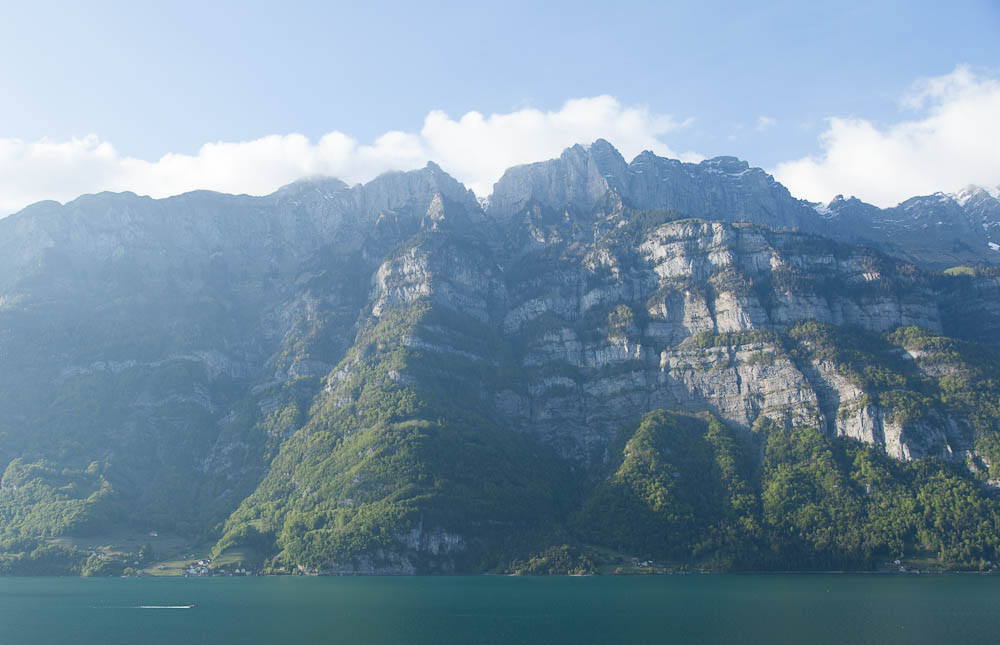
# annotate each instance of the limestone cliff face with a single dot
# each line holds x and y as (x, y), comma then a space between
(440, 271)
(612, 326)
(689, 278)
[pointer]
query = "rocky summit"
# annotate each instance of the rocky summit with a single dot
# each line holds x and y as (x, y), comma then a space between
(610, 361)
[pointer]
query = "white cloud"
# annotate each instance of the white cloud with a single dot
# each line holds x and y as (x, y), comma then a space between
(764, 123)
(480, 148)
(953, 140)
(475, 148)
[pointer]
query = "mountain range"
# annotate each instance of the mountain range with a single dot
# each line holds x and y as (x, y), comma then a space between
(602, 361)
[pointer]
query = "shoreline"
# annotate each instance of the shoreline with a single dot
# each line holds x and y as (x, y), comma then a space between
(512, 575)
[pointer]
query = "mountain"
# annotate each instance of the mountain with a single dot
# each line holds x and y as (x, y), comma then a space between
(723, 188)
(656, 359)
(982, 207)
(936, 231)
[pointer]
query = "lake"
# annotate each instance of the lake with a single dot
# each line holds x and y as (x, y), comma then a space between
(813, 608)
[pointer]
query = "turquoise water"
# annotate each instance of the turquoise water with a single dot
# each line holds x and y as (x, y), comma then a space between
(959, 608)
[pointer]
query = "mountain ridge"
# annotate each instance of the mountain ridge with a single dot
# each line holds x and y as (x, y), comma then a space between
(939, 230)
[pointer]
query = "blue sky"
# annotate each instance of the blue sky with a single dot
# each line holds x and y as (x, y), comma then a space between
(756, 80)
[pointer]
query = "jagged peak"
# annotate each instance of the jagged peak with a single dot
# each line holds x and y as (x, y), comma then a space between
(649, 156)
(320, 183)
(432, 173)
(975, 192)
(840, 200)
(840, 205)
(934, 198)
(328, 183)
(602, 148)
(727, 165)
(414, 188)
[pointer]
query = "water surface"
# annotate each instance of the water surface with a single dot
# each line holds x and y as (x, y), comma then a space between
(959, 608)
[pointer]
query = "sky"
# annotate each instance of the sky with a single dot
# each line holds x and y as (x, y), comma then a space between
(882, 100)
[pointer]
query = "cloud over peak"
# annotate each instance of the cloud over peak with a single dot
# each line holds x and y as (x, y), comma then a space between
(475, 148)
(952, 139)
